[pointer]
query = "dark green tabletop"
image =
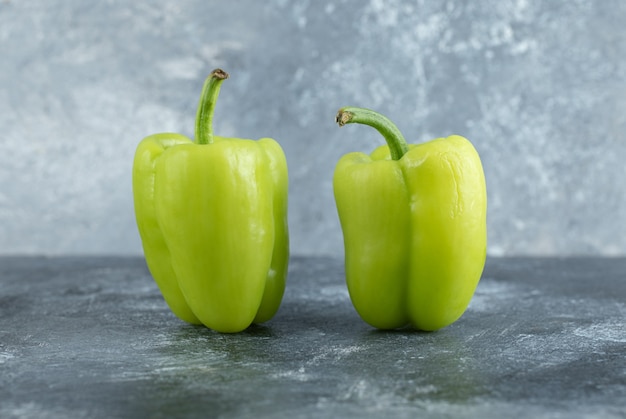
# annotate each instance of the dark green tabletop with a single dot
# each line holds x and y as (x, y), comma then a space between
(91, 337)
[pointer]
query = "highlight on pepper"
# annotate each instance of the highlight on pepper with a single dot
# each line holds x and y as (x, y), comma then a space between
(212, 216)
(414, 226)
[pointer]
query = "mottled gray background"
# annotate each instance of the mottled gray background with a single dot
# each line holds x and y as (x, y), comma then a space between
(538, 86)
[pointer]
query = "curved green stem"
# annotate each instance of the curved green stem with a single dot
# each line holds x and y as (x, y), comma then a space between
(395, 140)
(208, 97)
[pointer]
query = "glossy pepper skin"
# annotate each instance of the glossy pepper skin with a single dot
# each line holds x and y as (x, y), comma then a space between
(414, 226)
(212, 216)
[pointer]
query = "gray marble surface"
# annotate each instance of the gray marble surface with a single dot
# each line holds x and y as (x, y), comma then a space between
(92, 338)
(539, 87)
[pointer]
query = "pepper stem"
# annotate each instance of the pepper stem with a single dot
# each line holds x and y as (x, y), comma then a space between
(395, 140)
(206, 107)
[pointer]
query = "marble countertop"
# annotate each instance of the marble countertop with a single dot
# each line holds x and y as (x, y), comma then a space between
(91, 337)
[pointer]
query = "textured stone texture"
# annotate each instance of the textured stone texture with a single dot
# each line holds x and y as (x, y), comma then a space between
(539, 87)
(92, 338)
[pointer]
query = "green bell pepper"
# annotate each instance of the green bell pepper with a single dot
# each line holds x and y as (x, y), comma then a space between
(212, 216)
(414, 226)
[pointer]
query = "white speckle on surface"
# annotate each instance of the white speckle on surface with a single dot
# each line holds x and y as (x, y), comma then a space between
(612, 331)
(5, 356)
(298, 375)
(334, 354)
